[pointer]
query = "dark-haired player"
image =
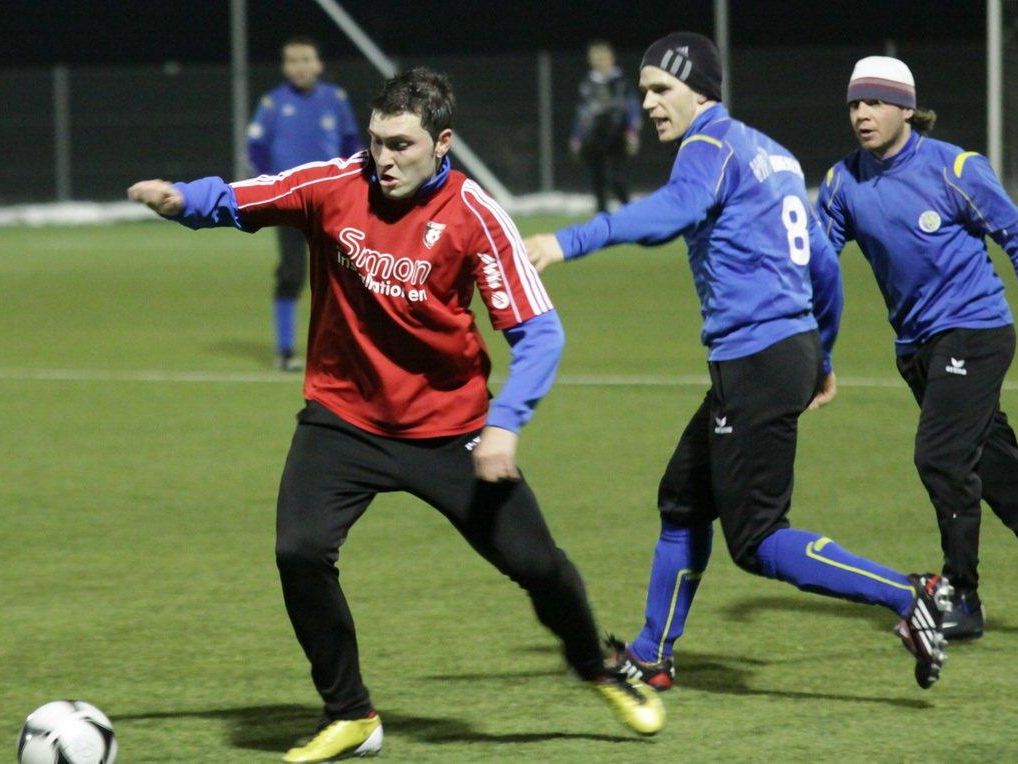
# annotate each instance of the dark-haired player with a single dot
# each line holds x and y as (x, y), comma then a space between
(396, 386)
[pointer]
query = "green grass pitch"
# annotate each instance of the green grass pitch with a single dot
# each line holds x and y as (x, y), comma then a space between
(144, 432)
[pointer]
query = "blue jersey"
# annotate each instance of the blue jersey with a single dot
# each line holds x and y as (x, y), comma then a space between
(293, 127)
(919, 218)
(763, 269)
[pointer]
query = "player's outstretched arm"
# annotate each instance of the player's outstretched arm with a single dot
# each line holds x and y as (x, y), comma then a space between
(543, 249)
(159, 195)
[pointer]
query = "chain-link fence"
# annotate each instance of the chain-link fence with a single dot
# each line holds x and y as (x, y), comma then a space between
(86, 133)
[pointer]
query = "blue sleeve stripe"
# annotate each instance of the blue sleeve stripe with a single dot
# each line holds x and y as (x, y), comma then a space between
(536, 349)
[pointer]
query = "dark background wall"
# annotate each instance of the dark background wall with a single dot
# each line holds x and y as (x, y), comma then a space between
(150, 91)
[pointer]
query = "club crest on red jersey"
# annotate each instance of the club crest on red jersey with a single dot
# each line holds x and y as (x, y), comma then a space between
(432, 233)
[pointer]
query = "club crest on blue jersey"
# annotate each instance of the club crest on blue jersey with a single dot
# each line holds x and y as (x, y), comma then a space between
(432, 233)
(929, 221)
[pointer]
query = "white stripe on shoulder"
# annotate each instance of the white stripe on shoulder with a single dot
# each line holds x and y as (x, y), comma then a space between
(276, 178)
(494, 250)
(536, 295)
(357, 160)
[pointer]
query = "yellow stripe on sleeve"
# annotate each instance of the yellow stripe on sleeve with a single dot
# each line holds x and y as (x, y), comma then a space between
(959, 161)
(700, 137)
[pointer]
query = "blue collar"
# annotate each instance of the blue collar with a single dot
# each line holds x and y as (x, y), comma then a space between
(303, 93)
(436, 181)
(907, 152)
(427, 188)
(713, 114)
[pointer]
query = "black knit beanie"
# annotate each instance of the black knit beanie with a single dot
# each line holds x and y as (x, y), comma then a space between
(689, 57)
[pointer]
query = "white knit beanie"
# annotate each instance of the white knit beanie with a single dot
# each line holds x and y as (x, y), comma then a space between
(882, 78)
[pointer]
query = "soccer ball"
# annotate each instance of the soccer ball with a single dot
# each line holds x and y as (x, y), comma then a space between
(67, 732)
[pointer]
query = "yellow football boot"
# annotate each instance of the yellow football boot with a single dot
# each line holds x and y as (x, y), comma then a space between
(634, 703)
(341, 739)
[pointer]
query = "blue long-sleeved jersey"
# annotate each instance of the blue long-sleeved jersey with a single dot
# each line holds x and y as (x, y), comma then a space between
(762, 267)
(293, 127)
(919, 218)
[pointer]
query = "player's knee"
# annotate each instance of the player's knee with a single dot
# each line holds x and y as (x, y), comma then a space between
(541, 571)
(940, 471)
(744, 555)
(678, 514)
(299, 552)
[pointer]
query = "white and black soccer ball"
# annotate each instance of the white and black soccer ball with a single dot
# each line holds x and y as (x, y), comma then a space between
(67, 732)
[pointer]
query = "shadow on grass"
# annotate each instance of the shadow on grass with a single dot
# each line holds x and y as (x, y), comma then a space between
(730, 676)
(276, 728)
(746, 610)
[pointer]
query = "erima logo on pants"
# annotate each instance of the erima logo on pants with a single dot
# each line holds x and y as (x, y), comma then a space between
(956, 367)
(721, 426)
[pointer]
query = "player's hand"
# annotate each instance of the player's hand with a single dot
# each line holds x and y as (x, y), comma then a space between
(828, 389)
(632, 144)
(159, 195)
(543, 250)
(495, 455)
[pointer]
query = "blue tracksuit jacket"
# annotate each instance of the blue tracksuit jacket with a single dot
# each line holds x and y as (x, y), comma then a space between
(292, 127)
(920, 218)
(762, 267)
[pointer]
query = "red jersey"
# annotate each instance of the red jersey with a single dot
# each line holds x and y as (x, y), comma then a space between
(393, 346)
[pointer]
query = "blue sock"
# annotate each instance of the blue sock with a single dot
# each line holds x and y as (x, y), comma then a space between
(680, 558)
(285, 313)
(814, 563)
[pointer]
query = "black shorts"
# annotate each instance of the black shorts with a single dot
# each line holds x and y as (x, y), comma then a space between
(335, 469)
(735, 460)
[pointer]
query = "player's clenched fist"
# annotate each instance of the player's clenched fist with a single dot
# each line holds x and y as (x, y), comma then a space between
(543, 249)
(495, 455)
(160, 195)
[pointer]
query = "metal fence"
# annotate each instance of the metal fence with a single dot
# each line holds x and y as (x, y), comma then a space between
(86, 133)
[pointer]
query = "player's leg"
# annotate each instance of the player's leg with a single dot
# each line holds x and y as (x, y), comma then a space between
(290, 276)
(959, 409)
(332, 472)
(998, 465)
(617, 173)
(680, 555)
(760, 398)
(595, 160)
(998, 470)
(503, 523)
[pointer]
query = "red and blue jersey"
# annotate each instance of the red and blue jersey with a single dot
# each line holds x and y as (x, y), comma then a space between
(920, 218)
(393, 347)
